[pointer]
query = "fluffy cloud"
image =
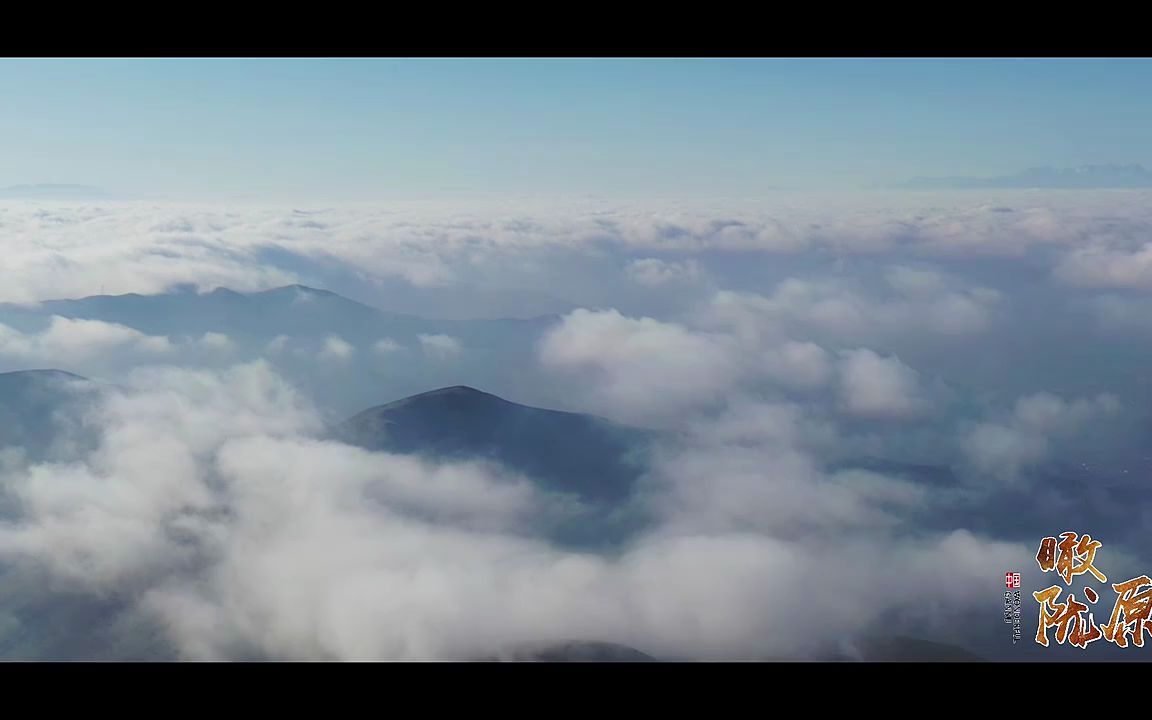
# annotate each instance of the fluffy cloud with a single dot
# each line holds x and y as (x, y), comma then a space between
(1002, 450)
(385, 346)
(217, 343)
(78, 340)
(640, 369)
(109, 519)
(770, 485)
(879, 387)
(779, 346)
(440, 347)
(655, 272)
(801, 365)
(917, 282)
(56, 250)
(211, 510)
(277, 344)
(1104, 267)
(336, 349)
(837, 311)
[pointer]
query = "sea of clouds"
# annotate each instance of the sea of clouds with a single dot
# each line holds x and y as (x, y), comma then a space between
(999, 336)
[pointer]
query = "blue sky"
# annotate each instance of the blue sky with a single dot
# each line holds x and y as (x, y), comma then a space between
(365, 129)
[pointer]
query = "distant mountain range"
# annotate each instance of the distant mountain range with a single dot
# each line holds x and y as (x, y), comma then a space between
(391, 356)
(48, 191)
(1082, 177)
(294, 310)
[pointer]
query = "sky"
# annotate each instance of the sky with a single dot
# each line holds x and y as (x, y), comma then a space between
(367, 129)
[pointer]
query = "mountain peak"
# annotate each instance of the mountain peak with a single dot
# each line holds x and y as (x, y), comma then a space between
(461, 390)
(225, 292)
(565, 451)
(294, 289)
(458, 397)
(305, 289)
(298, 292)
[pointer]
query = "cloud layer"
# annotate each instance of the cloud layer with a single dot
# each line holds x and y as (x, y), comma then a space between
(533, 251)
(212, 510)
(854, 395)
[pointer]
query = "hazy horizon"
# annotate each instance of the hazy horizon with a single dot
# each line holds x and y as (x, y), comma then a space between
(369, 129)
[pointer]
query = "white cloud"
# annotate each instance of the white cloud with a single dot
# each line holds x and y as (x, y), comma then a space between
(1002, 450)
(210, 507)
(916, 281)
(217, 343)
(879, 387)
(1104, 267)
(211, 498)
(440, 347)
(278, 344)
(68, 340)
(56, 250)
(837, 311)
(386, 346)
(654, 272)
(336, 349)
(801, 365)
(640, 370)
(111, 519)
